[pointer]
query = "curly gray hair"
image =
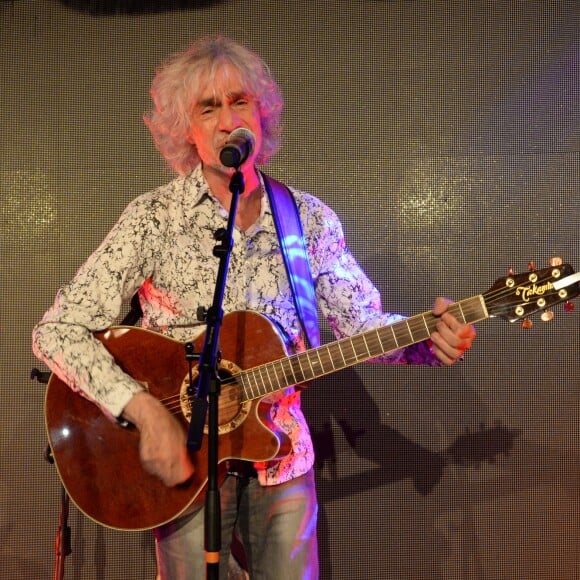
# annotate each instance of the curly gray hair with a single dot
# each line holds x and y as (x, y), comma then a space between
(176, 87)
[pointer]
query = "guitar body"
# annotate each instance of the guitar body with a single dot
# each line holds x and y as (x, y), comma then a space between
(98, 460)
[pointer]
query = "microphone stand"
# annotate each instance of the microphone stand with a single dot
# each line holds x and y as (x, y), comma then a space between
(205, 399)
(62, 542)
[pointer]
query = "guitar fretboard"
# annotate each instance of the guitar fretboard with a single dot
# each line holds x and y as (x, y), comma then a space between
(317, 362)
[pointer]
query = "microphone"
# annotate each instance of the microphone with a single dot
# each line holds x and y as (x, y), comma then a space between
(238, 147)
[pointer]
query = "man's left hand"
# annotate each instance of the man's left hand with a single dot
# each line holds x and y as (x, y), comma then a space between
(452, 337)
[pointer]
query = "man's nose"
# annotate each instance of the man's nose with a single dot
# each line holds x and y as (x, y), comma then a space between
(228, 119)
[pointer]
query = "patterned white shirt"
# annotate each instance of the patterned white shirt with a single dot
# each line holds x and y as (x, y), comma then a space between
(162, 246)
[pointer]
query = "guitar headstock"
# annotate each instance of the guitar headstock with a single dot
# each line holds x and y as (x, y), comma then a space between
(517, 296)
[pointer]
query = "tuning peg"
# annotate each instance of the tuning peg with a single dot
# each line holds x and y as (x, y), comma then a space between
(531, 265)
(555, 261)
(547, 316)
(527, 324)
(568, 306)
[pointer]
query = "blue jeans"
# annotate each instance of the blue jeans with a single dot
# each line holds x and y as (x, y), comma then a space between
(276, 525)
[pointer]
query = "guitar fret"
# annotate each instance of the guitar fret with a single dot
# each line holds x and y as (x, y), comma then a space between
(461, 312)
(276, 367)
(252, 374)
(291, 374)
(353, 356)
(262, 389)
(257, 378)
(402, 334)
(409, 328)
(267, 380)
(368, 352)
(363, 351)
(307, 357)
(318, 362)
(273, 376)
(287, 375)
(376, 342)
(388, 341)
(418, 328)
(335, 355)
(330, 359)
(241, 380)
(245, 385)
(265, 377)
(381, 344)
(302, 372)
(392, 329)
(256, 388)
(297, 369)
(341, 348)
(280, 374)
(327, 358)
(259, 381)
(431, 321)
(355, 347)
(426, 327)
(272, 383)
(348, 354)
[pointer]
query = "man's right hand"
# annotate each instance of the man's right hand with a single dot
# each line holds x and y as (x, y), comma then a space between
(162, 445)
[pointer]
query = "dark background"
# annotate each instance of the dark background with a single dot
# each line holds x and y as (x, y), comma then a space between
(446, 136)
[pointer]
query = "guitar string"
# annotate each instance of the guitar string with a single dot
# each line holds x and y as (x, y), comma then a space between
(174, 402)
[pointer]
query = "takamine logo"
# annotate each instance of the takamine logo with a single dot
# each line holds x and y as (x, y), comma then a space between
(528, 292)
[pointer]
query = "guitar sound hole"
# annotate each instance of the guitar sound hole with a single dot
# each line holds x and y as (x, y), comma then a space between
(232, 411)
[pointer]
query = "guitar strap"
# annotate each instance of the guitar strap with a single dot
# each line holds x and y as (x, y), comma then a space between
(291, 238)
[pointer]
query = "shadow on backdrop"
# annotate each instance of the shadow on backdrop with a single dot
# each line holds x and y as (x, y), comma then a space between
(396, 457)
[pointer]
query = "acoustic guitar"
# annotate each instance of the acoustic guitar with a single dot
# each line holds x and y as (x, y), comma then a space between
(98, 460)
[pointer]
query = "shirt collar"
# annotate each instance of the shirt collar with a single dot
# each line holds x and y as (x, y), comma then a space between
(198, 190)
(196, 186)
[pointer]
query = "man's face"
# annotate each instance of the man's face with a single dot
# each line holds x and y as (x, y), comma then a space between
(223, 105)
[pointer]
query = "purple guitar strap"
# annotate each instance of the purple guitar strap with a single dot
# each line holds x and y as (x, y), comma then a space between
(291, 238)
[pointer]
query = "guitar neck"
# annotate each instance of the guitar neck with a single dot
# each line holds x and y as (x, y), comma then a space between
(324, 360)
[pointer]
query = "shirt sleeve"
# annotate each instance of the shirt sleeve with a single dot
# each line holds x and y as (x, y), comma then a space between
(346, 297)
(92, 301)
